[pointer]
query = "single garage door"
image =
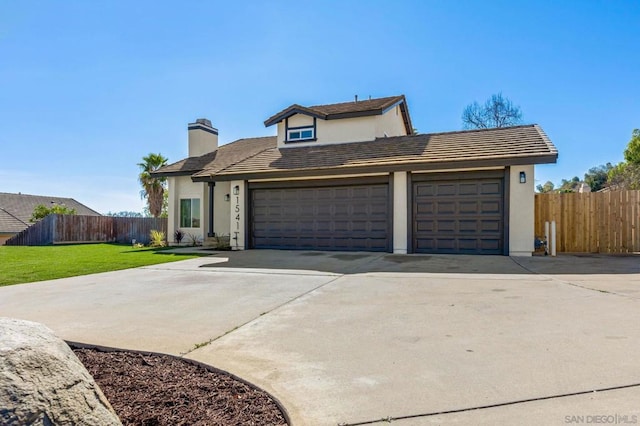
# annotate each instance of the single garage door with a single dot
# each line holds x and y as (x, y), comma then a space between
(346, 217)
(459, 215)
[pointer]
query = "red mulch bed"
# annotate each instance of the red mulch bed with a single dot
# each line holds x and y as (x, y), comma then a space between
(155, 390)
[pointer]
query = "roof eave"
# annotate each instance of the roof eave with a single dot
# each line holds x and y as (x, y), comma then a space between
(292, 110)
(403, 167)
(174, 174)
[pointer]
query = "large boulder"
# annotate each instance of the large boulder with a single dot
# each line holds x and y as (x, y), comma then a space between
(42, 382)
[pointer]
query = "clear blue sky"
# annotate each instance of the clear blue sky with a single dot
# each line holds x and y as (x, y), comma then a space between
(89, 87)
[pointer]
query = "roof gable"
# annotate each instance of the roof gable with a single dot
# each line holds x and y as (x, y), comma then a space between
(352, 109)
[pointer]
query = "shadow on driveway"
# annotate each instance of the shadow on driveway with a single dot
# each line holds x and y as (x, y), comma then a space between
(359, 262)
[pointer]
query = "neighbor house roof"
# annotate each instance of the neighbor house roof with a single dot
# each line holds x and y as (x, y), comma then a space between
(9, 223)
(436, 151)
(16, 209)
(347, 110)
(213, 162)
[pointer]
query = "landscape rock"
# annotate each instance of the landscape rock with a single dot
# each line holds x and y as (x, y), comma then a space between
(42, 381)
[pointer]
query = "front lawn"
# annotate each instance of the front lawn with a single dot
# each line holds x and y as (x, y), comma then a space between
(20, 264)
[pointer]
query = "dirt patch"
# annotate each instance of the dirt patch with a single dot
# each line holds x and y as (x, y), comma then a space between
(155, 390)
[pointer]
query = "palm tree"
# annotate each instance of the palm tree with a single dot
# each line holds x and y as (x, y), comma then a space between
(152, 187)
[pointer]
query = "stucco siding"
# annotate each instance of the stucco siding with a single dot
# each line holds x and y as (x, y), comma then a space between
(221, 217)
(328, 132)
(299, 120)
(400, 213)
(201, 142)
(521, 211)
(390, 123)
(182, 187)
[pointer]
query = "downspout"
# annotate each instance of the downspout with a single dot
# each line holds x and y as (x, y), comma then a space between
(211, 233)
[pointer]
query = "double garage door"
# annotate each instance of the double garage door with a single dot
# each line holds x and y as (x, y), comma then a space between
(349, 217)
(449, 213)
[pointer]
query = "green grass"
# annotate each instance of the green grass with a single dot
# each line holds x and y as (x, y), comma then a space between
(28, 264)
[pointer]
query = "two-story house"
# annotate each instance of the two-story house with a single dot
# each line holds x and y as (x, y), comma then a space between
(354, 176)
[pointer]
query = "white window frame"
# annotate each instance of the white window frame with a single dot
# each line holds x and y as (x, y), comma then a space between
(194, 213)
(299, 130)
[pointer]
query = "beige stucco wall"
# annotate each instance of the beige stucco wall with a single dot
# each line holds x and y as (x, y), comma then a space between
(400, 211)
(300, 120)
(221, 217)
(390, 123)
(201, 142)
(343, 130)
(183, 187)
(521, 211)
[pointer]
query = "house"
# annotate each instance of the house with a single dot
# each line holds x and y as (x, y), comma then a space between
(354, 176)
(16, 211)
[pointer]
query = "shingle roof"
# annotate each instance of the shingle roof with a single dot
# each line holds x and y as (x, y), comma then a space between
(345, 110)
(473, 148)
(16, 209)
(9, 223)
(224, 156)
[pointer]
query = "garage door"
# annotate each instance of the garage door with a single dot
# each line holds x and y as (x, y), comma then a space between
(459, 215)
(348, 217)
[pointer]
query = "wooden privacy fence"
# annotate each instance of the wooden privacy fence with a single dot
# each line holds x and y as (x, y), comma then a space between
(66, 229)
(596, 222)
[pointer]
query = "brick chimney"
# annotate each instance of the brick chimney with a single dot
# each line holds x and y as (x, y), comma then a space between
(203, 138)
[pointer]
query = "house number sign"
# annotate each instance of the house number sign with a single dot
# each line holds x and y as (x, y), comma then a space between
(236, 210)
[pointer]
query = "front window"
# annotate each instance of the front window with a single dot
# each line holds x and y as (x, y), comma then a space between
(300, 134)
(190, 213)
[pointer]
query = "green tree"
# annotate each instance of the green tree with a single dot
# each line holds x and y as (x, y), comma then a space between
(153, 188)
(569, 185)
(625, 176)
(632, 153)
(165, 207)
(497, 111)
(547, 187)
(41, 211)
(598, 176)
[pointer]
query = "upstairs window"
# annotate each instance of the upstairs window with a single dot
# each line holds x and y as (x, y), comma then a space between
(301, 134)
(190, 213)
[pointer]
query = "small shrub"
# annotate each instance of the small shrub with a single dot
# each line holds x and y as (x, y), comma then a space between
(222, 242)
(178, 235)
(194, 240)
(157, 238)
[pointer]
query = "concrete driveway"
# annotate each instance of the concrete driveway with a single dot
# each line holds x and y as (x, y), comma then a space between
(357, 338)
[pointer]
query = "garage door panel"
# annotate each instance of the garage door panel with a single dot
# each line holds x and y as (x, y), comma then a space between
(425, 190)
(468, 189)
(493, 188)
(352, 217)
(458, 216)
(445, 207)
(490, 207)
(446, 189)
(468, 226)
(467, 208)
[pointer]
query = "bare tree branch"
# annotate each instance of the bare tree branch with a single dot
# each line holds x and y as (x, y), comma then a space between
(497, 111)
